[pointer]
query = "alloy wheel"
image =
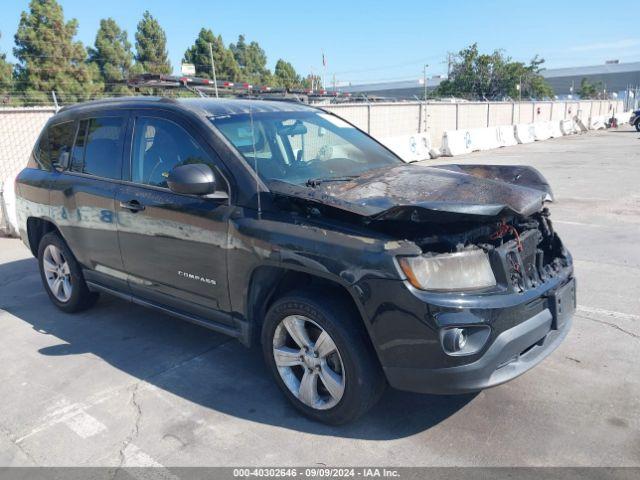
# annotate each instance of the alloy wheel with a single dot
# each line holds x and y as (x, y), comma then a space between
(57, 272)
(309, 362)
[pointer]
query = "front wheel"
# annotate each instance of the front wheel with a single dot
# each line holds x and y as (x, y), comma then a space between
(318, 353)
(637, 124)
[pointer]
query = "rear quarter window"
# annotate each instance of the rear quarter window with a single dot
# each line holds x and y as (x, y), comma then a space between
(54, 142)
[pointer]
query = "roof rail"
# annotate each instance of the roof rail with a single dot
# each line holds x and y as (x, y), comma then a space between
(205, 87)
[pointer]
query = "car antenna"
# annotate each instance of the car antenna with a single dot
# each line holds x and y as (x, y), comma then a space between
(255, 159)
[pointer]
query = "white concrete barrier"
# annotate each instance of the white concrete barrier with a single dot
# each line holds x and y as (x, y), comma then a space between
(597, 123)
(456, 142)
(411, 148)
(622, 117)
(9, 225)
(554, 129)
(580, 125)
(506, 136)
(485, 138)
(525, 133)
(567, 127)
(541, 131)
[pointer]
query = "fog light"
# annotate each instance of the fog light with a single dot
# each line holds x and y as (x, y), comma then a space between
(454, 339)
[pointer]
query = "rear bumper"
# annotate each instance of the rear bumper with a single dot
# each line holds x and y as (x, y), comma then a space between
(513, 352)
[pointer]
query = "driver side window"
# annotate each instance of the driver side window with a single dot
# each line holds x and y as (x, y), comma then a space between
(158, 147)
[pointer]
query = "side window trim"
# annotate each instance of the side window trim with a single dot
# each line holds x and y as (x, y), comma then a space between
(75, 141)
(128, 176)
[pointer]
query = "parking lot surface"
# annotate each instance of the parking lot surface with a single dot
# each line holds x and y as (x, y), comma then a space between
(122, 385)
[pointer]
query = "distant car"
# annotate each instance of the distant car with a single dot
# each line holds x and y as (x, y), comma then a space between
(282, 224)
(635, 119)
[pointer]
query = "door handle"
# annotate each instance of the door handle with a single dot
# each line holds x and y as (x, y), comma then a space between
(132, 206)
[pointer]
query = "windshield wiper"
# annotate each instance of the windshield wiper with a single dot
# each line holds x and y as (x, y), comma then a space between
(314, 182)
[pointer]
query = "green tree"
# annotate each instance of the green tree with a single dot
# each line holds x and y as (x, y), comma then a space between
(6, 80)
(112, 55)
(227, 67)
(48, 57)
(312, 82)
(252, 61)
(286, 76)
(589, 90)
(493, 76)
(151, 47)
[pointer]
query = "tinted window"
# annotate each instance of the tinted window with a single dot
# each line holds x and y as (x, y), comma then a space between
(158, 147)
(103, 146)
(55, 142)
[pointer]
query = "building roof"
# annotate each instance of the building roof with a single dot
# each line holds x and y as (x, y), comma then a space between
(592, 70)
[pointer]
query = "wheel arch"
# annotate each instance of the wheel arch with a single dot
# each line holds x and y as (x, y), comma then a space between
(268, 283)
(37, 228)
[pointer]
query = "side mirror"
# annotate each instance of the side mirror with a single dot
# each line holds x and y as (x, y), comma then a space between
(192, 179)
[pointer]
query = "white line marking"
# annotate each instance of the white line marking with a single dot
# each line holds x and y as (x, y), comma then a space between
(567, 222)
(84, 425)
(134, 457)
(608, 313)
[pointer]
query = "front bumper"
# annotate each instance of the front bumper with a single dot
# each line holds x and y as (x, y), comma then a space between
(512, 353)
(405, 325)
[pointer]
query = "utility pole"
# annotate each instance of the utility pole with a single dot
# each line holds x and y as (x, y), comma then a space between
(424, 80)
(213, 69)
(448, 64)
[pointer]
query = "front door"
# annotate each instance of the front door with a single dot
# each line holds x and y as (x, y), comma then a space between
(173, 246)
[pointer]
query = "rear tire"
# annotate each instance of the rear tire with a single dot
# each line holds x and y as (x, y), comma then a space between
(637, 125)
(327, 368)
(62, 276)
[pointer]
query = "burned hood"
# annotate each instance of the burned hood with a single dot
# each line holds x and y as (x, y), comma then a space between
(441, 193)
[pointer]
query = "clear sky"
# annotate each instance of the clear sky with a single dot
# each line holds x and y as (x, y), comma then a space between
(366, 41)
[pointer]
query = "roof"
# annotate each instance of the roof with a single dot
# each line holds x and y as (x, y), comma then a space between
(592, 70)
(234, 106)
(208, 106)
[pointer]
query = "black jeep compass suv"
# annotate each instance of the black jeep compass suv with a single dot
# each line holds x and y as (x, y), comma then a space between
(281, 224)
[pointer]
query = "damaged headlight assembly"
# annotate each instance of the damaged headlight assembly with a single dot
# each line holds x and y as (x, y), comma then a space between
(447, 272)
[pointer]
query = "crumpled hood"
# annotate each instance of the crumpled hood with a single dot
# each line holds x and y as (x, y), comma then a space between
(440, 193)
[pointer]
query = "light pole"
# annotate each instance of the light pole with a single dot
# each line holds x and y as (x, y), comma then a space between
(424, 80)
(213, 70)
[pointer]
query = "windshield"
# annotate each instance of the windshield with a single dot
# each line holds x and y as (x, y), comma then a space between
(299, 147)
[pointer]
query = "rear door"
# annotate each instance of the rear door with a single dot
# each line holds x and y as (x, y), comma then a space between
(83, 196)
(173, 246)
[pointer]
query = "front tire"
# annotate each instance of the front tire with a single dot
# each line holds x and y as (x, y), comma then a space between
(320, 357)
(637, 125)
(62, 277)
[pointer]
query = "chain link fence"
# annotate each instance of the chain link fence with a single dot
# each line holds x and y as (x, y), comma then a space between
(19, 129)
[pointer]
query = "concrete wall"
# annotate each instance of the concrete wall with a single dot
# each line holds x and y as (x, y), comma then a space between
(392, 119)
(19, 127)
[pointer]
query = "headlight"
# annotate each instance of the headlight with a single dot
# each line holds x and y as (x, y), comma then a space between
(466, 270)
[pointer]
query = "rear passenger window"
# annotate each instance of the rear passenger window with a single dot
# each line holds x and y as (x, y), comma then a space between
(54, 144)
(102, 143)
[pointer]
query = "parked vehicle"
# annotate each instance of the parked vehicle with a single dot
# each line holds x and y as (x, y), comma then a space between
(283, 225)
(635, 119)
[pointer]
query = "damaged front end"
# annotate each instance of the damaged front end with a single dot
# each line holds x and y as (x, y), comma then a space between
(523, 252)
